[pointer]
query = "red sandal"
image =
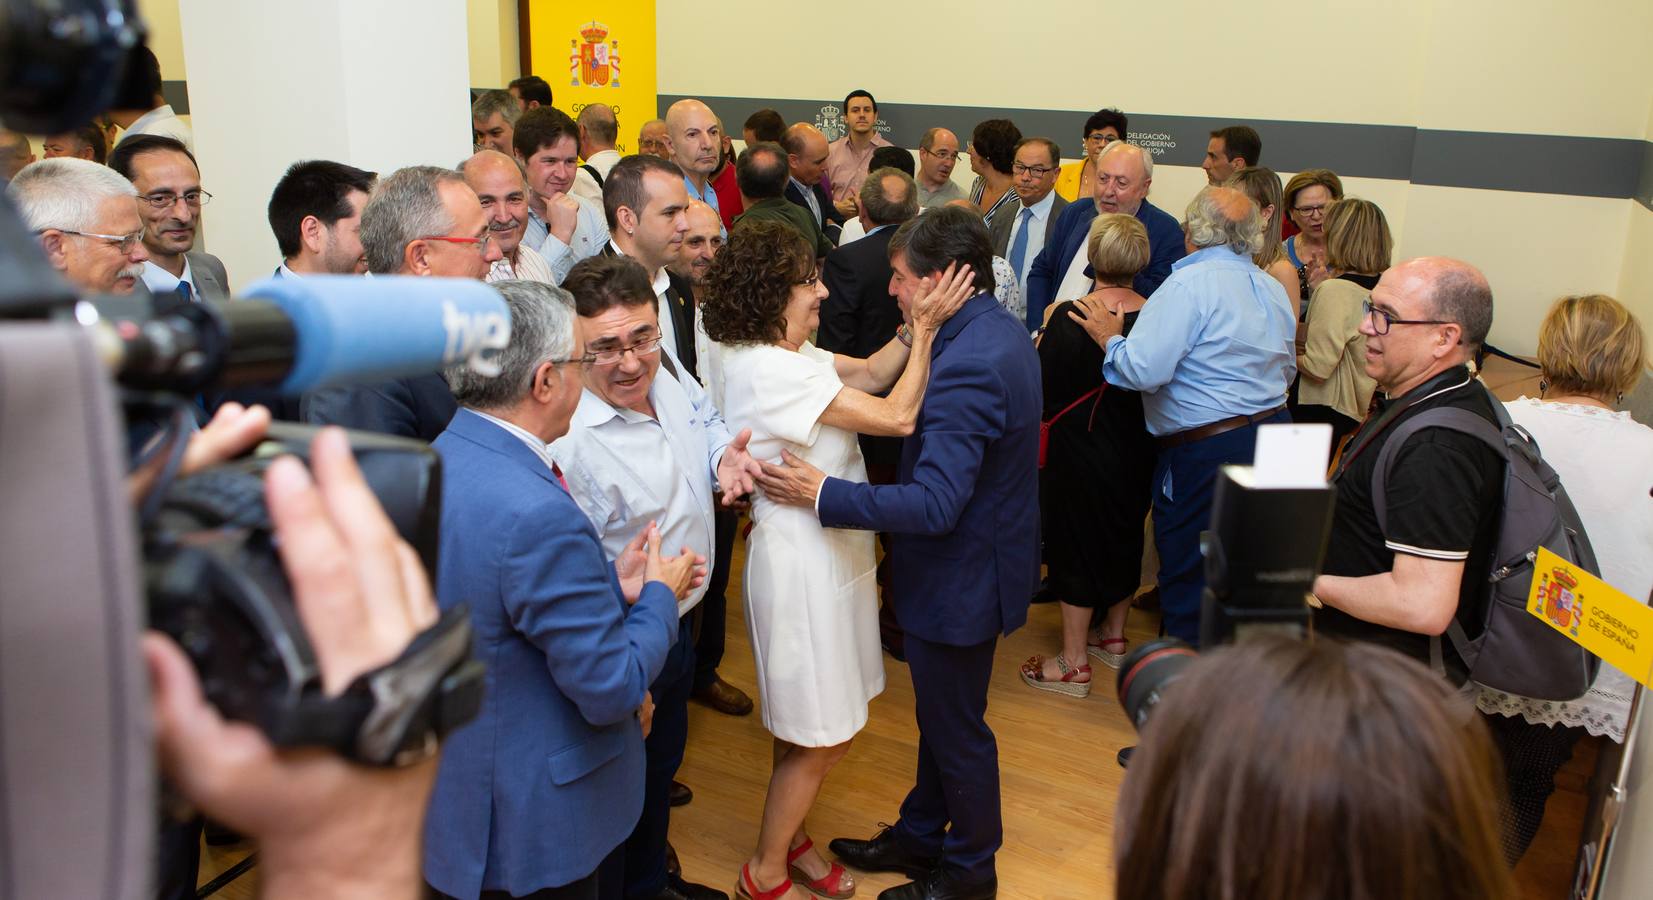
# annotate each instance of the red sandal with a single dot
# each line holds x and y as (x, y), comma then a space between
(1109, 652)
(748, 889)
(1075, 680)
(830, 885)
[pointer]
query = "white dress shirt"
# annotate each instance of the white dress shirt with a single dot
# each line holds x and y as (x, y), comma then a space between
(530, 266)
(525, 436)
(1075, 283)
(603, 161)
(163, 121)
(586, 188)
(1035, 237)
(626, 469)
(668, 328)
(160, 281)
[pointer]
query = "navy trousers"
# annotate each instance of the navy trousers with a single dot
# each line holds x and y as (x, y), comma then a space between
(1185, 478)
(953, 809)
(714, 606)
(645, 850)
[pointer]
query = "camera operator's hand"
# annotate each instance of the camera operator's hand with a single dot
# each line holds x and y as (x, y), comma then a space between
(234, 430)
(326, 827)
(645, 713)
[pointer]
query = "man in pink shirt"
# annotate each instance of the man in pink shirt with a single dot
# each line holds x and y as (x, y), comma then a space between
(847, 157)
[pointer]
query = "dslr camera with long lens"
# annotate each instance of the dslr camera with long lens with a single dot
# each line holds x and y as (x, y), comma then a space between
(1262, 553)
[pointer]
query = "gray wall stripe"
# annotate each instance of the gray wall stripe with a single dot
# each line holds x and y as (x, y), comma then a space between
(176, 94)
(1590, 166)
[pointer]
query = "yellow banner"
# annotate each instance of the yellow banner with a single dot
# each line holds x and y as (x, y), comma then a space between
(1596, 615)
(597, 53)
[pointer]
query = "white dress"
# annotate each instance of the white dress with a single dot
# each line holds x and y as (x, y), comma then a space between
(1605, 460)
(811, 593)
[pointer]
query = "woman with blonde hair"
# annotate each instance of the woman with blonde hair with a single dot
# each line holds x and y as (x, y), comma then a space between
(1592, 352)
(1094, 485)
(1263, 187)
(1332, 385)
(1308, 195)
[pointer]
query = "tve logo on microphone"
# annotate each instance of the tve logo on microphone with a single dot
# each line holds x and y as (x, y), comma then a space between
(474, 337)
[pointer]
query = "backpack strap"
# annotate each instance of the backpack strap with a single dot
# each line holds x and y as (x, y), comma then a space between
(592, 171)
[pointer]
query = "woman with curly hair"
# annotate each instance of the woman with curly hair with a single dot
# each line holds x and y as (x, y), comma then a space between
(811, 597)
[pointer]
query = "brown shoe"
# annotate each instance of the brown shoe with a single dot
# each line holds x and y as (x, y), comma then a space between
(724, 697)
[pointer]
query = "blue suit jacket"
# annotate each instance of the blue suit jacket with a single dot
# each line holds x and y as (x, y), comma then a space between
(964, 513)
(1165, 245)
(549, 777)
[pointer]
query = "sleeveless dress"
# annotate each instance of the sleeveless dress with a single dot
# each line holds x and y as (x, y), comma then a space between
(811, 592)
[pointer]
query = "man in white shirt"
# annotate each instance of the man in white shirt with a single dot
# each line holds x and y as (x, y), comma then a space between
(599, 131)
(139, 108)
(647, 206)
(169, 201)
(316, 214)
(562, 225)
(503, 192)
(1025, 228)
(646, 445)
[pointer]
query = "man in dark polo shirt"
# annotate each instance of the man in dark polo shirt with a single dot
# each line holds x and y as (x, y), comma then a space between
(1402, 585)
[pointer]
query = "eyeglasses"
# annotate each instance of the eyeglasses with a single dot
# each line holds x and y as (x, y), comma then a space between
(810, 280)
(165, 199)
(1097, 136)
(942, 155)
(480, 242)
(125, 242)
(1383, 321)
(1310, 212)
(612, 357)
(1035, 171)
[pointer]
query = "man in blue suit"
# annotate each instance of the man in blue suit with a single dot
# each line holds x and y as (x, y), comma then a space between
(965, 515)
(1124, 173)
(534, 797)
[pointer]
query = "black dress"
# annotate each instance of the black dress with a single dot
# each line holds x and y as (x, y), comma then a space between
(1095, 488)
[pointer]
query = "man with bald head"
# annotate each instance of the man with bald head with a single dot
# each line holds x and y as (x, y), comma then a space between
(806, 157)
(599, 131)
(502, 190)
(1061, 271)
(1403, 580)
(1212, 355)
(697, 147)
(938, 153)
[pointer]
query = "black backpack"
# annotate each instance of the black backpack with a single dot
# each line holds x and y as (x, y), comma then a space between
(1515, 651)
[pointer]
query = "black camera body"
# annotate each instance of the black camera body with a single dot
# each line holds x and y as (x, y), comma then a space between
(215, 584)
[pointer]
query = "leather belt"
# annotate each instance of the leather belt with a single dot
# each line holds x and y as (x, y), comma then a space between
(1212, 429)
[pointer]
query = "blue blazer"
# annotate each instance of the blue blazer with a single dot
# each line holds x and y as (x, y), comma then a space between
(1165, 245)
(964, 513)
(549, 777)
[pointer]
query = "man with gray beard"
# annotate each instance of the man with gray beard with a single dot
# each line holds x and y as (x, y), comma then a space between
(86, 217)
(503, 192)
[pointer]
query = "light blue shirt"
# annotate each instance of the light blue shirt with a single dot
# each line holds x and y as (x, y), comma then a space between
(1215, 341)
(626, 469)
(590, 234)
(709, 198)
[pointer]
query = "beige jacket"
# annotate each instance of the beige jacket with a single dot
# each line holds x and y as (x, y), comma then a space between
(1333, 362)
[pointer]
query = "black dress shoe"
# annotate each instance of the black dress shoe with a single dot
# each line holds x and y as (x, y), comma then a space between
(679, 795)
(678, 889)
(884, 853)
(943, 884)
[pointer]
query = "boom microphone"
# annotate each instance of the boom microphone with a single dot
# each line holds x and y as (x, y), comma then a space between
(301, 334)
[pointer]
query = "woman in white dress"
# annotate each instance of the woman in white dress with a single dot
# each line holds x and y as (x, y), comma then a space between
(1591, 350)
(811, 597)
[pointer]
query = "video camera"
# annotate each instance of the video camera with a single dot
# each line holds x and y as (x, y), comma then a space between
(1262, 553)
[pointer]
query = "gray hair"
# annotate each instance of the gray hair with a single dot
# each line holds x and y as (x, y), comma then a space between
(879, 206)
(600, 123)
(403, 208)
(1461, 294)
(508, 107)
(542, 330)
(65, 193)
(1209, 225)
(1142, 154)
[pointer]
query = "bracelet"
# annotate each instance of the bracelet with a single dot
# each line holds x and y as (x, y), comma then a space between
(904, 335)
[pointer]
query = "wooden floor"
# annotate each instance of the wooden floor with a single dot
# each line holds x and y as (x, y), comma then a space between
(1059, 778)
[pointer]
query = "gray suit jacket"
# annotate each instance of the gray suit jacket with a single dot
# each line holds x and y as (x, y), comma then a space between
(209, 275)
(1002, 222)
